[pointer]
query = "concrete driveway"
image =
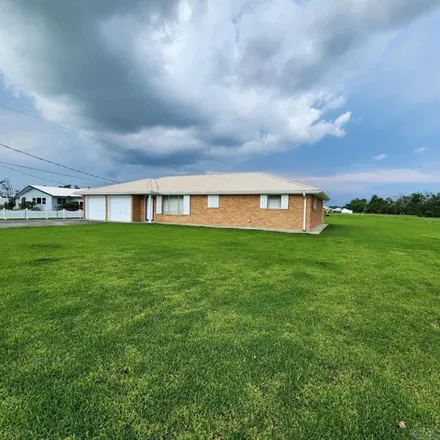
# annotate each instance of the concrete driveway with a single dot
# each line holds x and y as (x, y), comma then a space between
(4, 224)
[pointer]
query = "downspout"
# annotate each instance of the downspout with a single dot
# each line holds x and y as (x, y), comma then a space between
(149, 209)
(305, 213)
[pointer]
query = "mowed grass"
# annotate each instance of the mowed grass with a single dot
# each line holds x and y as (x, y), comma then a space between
(159, 332)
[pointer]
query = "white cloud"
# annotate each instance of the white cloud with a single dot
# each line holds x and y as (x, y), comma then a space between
(382, 156)
(367, 180)
(187, 81)
(420, 150)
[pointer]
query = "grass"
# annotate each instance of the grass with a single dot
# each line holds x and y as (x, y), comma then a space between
(159, 332)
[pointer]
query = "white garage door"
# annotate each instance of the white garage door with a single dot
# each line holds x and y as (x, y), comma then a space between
(95, 208)
(119, 208)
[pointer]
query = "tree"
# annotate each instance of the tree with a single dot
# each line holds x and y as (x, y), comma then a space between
(377, 205)
(402, 203)
(427, 205)
(7, 191)
(6, 188)
(357, 205)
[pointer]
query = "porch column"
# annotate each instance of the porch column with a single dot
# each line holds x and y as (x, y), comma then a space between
(150, 209)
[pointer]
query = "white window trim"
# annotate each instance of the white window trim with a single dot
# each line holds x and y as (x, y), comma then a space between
(159, 205)
(284, 201)
(213, 201)
(186, 205)
(315, 203)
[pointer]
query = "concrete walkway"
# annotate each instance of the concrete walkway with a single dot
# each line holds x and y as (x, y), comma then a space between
(5, 224)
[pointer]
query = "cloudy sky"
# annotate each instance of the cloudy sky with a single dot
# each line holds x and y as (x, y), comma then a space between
(344, 94)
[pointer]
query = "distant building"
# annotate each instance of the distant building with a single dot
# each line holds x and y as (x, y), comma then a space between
(47, 198)
(346, 211)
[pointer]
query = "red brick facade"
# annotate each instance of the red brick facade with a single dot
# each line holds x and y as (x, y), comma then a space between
(245, 211)
(238, 211)
(314, 212)
(138, 209)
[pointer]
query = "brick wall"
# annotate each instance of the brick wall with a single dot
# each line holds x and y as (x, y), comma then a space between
(138, 208)
(242, 211)
(314, 216)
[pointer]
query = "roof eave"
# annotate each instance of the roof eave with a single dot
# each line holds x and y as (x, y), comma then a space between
(323, 196)
(316, 192)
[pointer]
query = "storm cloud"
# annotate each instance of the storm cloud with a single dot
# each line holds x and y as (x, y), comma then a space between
(170, 82)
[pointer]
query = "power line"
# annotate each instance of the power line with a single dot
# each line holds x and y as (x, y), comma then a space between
(48, 171)
(63, 127)
(36, 177)
(55, 163)
(44, 120)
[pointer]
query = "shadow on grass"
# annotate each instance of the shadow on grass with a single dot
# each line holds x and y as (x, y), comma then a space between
(38, 261)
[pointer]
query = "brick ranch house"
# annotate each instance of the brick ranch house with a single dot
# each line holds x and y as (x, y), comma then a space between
(241, 200)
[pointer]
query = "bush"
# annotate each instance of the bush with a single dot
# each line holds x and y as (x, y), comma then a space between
(10, 204)
(29, 205)
(69, 206)
(429, 213)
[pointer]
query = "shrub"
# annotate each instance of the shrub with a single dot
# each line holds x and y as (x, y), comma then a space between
(69, 206)
(29, 205)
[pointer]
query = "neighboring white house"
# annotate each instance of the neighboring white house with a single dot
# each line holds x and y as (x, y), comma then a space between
(47, 198)
(346, 211)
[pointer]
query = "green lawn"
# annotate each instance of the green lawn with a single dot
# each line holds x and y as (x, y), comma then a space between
(160, 332)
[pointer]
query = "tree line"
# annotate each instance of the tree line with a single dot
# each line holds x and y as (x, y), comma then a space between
(420, 204)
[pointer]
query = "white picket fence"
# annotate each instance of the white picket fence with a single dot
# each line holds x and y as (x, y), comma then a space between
(25, 214)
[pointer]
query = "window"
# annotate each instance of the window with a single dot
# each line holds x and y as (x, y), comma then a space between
(43, 200)
(38, 200)
(273, 202)
(34, 200)
(61, 201)
(315, 203)
(172, 204)
(81, 205)
(213, 201)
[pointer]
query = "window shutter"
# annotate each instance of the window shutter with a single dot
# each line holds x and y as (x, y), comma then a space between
(263, 202)
(285, 201)
(186, 205)
(213, 201)
(159, 205)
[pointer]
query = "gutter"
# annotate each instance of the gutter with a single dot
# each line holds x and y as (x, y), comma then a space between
(91, 192)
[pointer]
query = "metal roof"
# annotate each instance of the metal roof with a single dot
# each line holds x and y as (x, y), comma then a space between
(229, 183)
(53, 191)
